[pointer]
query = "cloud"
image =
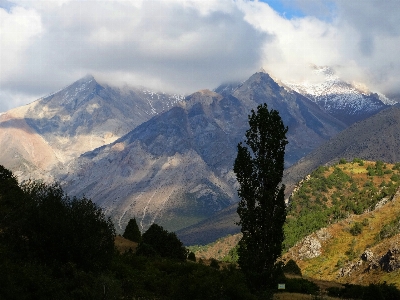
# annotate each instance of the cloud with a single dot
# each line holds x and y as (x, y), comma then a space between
(170, 45)
(186, 45)
(359, 38)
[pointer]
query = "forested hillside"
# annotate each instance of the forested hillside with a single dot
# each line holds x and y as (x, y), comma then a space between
(342, 225)
(331, 194)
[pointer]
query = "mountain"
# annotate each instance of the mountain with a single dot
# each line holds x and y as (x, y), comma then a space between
(309, 126)
(343, 223)
(161, 158)
(375, 138)
(344, 101)
(81, 117)
(176, 168)
(23, 150)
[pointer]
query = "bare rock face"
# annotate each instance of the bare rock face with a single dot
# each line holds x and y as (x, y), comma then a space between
(367, 255)
(382, 203)
(391, 260)
(388, 262)
(40, 139)
(349, 268)
(311, 247)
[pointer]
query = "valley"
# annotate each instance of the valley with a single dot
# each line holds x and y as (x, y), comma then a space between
(158, 157)
(167, 159)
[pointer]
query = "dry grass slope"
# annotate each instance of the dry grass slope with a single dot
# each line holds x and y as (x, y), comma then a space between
(341, 248)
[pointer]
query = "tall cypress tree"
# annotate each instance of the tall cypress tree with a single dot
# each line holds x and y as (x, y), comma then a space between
(132, 231)
(259, 169)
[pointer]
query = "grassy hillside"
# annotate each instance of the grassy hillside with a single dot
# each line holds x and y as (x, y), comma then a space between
(340, 253)
(335, 215)
(331, 194)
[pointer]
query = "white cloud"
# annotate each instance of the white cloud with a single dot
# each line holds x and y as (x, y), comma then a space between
(186, 45)
(174, 44)
(18, 28)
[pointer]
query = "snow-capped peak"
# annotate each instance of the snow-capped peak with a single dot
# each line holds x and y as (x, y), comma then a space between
(341, 99)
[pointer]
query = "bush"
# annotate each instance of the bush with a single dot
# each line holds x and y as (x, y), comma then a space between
(214, 264)
(191, 256)
(395, 178)
(158, 241)
(356, 229)
(132, 231)
(380, 291)
(301, 285)
(45, 225)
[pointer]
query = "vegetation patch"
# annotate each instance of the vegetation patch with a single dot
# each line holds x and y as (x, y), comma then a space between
(331, 194)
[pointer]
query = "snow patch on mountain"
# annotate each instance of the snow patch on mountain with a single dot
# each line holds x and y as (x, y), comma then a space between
(335, 94)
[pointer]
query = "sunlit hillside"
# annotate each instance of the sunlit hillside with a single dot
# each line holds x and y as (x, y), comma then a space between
(336, 215)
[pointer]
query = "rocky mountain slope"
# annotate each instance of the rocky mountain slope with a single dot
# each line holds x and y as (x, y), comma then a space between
(375, 138)
(362, 246)
(158, 157)
(171, 169)
(359, 247)
(76, 119)
(176, 169)
(345, 101)
(309, 126)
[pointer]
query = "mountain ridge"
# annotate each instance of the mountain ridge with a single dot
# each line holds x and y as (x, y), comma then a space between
(162, 158)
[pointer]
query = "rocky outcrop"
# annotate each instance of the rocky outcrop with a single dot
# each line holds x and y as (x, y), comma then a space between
(349, 268)
(311, 247)
(323, 234)
(367, 256)
(390, 261)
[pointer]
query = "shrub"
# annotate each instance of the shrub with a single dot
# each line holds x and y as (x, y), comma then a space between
(132, 231)
(395, 178)
(192, 256)
(157, 240)
(356, 229)
(214, 264)
(301, 285)
(45, 225)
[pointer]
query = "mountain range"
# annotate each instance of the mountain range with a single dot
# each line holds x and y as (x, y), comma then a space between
(348, 102)
(176, 168)
(163, 158)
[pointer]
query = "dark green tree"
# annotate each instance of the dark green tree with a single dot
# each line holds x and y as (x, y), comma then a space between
(44, 225)
(157, 241)
(132, 231)
(259, 169)
(192, 256)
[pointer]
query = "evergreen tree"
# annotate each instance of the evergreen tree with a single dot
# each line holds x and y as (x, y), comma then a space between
(259, 169)
(157, 241)
(132, 231)
(41, 224)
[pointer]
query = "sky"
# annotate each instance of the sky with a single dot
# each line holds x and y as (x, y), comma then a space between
(187, 45)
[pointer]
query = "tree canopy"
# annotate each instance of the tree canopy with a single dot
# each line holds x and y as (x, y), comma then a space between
(259, 169)
(43, 224)
(132, 231)
(157, 241)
